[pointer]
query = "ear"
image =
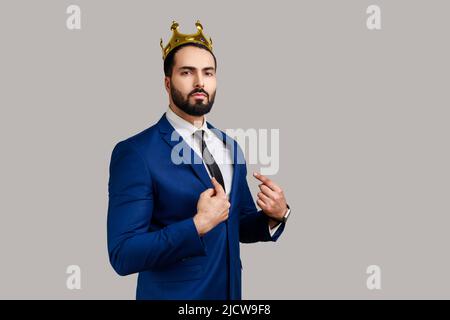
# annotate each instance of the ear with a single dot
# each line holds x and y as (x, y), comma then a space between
(167, 83)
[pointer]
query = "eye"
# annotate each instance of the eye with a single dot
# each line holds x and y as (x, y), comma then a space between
(185, 72)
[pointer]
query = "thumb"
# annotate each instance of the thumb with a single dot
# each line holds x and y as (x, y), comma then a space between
(217, 187)
(208, 192)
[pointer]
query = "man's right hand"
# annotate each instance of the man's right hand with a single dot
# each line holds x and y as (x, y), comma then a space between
(212, 208)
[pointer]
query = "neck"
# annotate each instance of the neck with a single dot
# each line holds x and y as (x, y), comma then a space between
(196, 121)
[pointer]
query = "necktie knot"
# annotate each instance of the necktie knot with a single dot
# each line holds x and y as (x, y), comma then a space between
(200, 134)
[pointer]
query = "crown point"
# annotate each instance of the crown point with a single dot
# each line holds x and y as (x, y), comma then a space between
(174, 26)
(199, 25)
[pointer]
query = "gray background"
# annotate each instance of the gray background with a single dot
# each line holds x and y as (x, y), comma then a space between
(363, 118)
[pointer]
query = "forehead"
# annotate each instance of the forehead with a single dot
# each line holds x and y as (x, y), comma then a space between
(193, 56)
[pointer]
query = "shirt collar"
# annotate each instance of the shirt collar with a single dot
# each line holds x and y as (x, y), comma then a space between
(184, 127)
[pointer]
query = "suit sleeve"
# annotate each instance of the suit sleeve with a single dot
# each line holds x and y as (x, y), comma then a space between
(131, 247)
(253, 224)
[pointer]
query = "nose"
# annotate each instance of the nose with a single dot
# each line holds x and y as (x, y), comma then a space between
(199, 81)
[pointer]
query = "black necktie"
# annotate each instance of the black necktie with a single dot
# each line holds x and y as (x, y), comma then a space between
(211, 164)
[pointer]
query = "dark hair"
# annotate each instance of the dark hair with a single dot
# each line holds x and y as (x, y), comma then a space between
(170, 59)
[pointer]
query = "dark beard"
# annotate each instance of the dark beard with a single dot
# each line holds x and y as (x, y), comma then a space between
(196, 109)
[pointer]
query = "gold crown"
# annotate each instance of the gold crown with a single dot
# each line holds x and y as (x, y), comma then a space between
(179, 38)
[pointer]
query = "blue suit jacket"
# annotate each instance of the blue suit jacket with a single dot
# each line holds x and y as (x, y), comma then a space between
(152, 202)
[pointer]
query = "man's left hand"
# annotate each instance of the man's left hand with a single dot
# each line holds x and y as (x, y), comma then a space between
(271, 198)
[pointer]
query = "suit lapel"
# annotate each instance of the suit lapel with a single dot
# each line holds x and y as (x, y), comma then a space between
(233, 147)
(174, 140)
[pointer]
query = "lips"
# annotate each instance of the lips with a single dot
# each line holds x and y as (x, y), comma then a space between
(199, 95)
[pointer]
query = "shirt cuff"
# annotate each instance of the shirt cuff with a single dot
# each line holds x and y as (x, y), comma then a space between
(274, 229)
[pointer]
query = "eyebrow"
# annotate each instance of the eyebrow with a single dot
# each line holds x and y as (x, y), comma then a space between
(194, 68)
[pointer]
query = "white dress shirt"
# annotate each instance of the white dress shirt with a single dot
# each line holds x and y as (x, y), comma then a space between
(221, 154)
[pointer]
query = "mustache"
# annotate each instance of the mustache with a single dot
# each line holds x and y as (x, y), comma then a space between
(199, 91)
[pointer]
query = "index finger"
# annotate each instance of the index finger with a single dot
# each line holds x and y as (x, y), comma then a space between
(217, 186)
(272, 185)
